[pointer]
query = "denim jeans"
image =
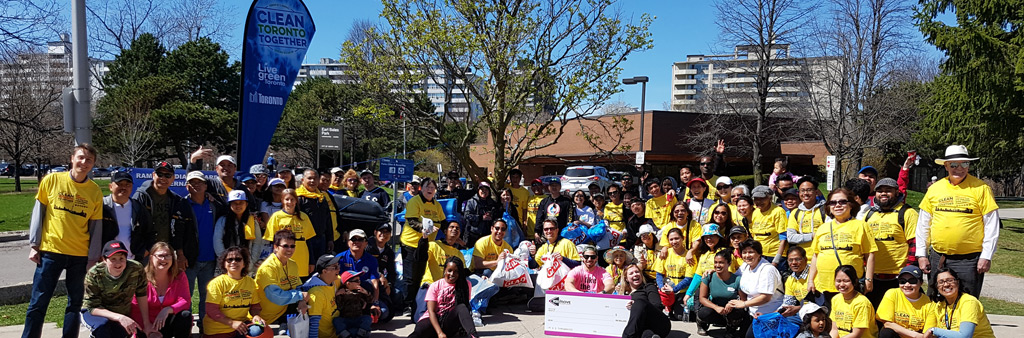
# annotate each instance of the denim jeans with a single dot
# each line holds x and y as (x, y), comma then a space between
(203, 271)
(482, 292)
(44, 282)
(103, 327)
(352, 324)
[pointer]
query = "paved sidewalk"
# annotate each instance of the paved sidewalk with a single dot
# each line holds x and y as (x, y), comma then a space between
(1011, 213)
(1003, 287)
(516, 322)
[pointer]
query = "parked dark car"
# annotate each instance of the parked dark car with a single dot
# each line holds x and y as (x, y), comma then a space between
(100, 172)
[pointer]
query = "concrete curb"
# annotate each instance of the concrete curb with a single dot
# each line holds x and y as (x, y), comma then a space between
(22, 292)
(10, 236)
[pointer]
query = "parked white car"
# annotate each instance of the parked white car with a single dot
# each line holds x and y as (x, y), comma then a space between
(580, 178)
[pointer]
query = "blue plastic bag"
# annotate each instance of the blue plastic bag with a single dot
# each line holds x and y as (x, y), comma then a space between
(514, 235)
(577, 235)
(596, 232)
(774, 325)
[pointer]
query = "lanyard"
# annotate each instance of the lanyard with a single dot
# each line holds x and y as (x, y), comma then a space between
(946, 310)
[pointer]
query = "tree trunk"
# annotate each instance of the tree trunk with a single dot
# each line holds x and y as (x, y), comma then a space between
(17, 175)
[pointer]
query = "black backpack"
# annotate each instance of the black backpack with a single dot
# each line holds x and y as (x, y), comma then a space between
(900, 218)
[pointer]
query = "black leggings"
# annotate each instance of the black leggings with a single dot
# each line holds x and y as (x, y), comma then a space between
(457, 318)
(646, 320)
(178, 325)
(737, 318)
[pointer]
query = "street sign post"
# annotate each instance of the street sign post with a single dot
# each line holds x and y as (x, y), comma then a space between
(830, 167)
(396, 170)
(640, 158)
(328, 139)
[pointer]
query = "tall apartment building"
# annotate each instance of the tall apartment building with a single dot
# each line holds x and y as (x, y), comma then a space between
(706, 83)
(53, 67)
(435, 87)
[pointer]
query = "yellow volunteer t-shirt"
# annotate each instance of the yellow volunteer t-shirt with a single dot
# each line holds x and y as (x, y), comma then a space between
(796, 286)
(302, 228)
(250, 229)
(706, 262)
(438, 253)
(891, 239)
(855, 313)
(805, 222)
(69, 208)
(896, 308)
(614, 217)
(531, 214)
(766, 227)
(563, 247)
(487, 250)
(695, 232)
(418, 208)
(675, 268)
(233, 296)
(650, 270)
(659, 210)
(853, 241)
(274, 272)
(321, 303)
(967, 309)
(520, 196)
(957, 210)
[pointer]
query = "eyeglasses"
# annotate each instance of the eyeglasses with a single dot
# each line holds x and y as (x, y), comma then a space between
(164, 256)
(357, 239)
(233, 259)
(589, 257)
(808, 190)
(840, 203)
(911, 280)
(292, 246)
(164, 175)
(954, 165)
(946, 282)
(351, 180)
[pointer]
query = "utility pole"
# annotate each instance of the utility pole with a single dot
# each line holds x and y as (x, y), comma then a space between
(81, 96)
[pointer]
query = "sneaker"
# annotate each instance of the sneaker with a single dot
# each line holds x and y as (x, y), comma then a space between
(477, 321)
(701, 330)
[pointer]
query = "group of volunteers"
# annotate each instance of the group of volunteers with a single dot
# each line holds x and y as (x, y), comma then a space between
(261, 246)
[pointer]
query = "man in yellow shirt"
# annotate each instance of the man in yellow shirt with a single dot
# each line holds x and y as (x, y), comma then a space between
(277, 280)
(769, 227)
(807, 216)
(322, 286)
(64, 235)
(659, 207)
(958, 224)
(520, 196)
(888, 220)
(537, 190)
(488, 250)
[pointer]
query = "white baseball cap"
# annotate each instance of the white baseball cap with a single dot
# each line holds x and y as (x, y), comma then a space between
(228, 158)
(723, 179)
(195, 174)
(236, 195)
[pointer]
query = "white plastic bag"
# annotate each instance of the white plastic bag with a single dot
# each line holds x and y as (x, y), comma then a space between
(523, 251)
(610, 239)
(512, 272)
(552, 274)
(298, 326)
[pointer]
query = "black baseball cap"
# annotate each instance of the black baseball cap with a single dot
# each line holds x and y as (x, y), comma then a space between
(326, 260)
(113, 247)
(164, 166)
(119, 176)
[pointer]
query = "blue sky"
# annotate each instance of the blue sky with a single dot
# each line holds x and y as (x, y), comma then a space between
(680, 28)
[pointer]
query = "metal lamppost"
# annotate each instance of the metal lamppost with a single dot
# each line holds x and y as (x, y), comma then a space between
(643, 100)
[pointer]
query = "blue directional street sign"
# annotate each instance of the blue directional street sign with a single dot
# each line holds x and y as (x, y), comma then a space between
(398, 170)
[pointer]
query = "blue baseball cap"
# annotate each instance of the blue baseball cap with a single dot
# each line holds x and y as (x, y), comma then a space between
(549, 180)
(868, 170)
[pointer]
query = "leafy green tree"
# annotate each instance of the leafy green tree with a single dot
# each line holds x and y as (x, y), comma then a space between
(183, 126)
(978, 99)
(529, 66)
(205, 69)
(124, 123)
(141, 60)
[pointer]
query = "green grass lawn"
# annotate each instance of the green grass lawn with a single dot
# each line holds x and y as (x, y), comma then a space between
(1001, 307)
(15, 314)
(1011, 249)
(17, 206)
(1010, 204)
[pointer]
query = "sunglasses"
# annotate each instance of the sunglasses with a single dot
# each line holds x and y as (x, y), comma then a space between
(702, 164)
(551, 229)
(292, 246)
(965, 165)
(357, 239)
(500, 229)
(164, 175)
(720, 213)
(233, 259)
(911, 280)
(837, 203)
(589, 257)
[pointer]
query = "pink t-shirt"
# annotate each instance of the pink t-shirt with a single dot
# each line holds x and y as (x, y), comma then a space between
(442, 293)
(592, 280)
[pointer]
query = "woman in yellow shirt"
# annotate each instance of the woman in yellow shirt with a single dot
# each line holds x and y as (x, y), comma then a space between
(852, 314)
(841, 241)
(954, 313)
(674, 275)
(291, 218)
(902, 310)
(232, 297)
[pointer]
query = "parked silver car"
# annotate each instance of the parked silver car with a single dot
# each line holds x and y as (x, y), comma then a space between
(580, 178)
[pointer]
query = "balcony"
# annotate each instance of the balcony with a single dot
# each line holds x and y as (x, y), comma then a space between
(686, 72)
(686, 82)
